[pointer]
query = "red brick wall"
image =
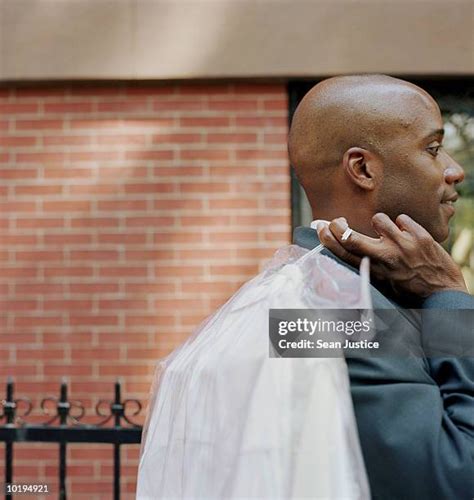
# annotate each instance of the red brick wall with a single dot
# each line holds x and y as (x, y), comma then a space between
(127, 214)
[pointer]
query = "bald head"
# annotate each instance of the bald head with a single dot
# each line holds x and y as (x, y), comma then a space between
(344, 112)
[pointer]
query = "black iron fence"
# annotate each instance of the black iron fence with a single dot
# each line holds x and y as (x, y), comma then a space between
(63, 427)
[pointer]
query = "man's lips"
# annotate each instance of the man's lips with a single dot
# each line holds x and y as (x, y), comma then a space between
(449, 203)
(450, 199)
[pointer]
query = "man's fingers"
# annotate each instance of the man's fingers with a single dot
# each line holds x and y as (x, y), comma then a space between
(384, 226)
(331, 243)
(406, 223)
(353, 242)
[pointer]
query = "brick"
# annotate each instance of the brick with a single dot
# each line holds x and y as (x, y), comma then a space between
(178, 237)
(17, 206)
(178, 105)
(204, 154)
(97, 123)
(67, 305)
(124, 172)
(20, 239)
(234, 270)
(106, 189)
(215, 287)
(260, 88)
(39, 255)
(221, 237)
(18, 305)
(68, 107)
(61, 338)
(67, 271)
(176, 138)
(39, 124)
(205, 121)
(178, 204)
(95, 222)
(65, 239)
(239, 203)
(39, 190)
(149, 155)
(115, 205)
(21, 370)
(66, 140)
(37, 321)
(233, 105)
(204, 253)
(261, 154)
(18, 108)
(144, 354)
(68, 370)
(204, 187)
(150, 288)
(122, 238)
(17, 141)
(101, 353)
(236, 138)
(41, 157)
(120, 304)
(67, 206)
(231, 171)
(275, 105)
(17, 173)
(121, 140)
(129, 106)
(127, 370)
(36, 354)
(154, 187)
(168, 270)
(274, 138)
(116, 271)
(260, 220)
(93, 288)
(149, 221)
(93, 255)
(209, 220)
(94, 156)
(39, 288)
(150, 254)
(147, 90)
(262, 121)
(67, 173)
(181, 171)
(93, 320)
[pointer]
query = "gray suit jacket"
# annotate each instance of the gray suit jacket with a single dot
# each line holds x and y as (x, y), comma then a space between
(415, 415)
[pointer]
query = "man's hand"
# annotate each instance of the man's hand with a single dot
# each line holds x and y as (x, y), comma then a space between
(405, 256)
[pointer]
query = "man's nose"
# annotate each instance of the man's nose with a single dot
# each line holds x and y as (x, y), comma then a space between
(454, 173)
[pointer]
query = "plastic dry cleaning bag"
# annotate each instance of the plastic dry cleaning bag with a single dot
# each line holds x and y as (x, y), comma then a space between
(226, 421)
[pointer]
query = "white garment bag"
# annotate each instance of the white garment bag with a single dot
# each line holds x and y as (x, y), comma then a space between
(226, 421)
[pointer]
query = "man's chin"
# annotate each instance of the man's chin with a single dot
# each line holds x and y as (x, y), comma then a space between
(440, 233)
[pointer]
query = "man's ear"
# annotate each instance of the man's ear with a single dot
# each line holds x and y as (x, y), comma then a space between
(362, 167)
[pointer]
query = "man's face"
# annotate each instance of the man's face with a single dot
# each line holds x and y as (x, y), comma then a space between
(419, 176)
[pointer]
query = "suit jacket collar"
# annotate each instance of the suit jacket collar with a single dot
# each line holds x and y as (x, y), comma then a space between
(307, 237)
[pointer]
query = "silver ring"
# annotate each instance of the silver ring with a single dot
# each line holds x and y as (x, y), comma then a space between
(346, 234)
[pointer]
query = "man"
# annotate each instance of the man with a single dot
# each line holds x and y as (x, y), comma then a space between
(368, 152)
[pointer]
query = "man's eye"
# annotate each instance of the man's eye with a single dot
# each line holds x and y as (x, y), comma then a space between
(434, 150)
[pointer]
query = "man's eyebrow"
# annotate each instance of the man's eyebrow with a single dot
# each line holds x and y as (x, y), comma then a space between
(436, 132)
